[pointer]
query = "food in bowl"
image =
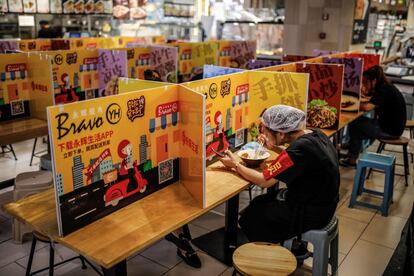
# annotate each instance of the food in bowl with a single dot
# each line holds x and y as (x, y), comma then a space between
(251, 159)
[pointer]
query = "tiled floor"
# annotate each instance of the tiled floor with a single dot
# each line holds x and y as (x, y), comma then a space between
(367, 240)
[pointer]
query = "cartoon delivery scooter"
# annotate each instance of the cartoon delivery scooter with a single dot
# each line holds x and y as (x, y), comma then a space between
(131, 180)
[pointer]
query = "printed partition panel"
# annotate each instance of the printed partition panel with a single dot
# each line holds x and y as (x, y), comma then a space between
(192, 57)
(295, 58)
(236, 54)
(75, 75)
(227, 107)
(287, 67)
(192, 150)
(149, 62)
(352, 82)
(260, 63)
(370, 60)
(317, 52)
(125, 41)
(211, 71)
(15, 86)
(234, 103)
(99, 165)
(271, 88)
(325, 92)
(41, 94)
(130, 85)
(112, 64)
(31, 45)
(8, 46)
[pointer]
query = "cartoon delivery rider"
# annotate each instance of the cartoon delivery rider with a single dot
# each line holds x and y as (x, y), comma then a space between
(125, 152)
(65, 81)
(219, 132)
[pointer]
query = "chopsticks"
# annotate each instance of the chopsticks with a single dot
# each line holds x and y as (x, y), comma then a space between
(258, 150)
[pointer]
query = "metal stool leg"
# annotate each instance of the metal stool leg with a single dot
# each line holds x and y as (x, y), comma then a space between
(12, 151)
(33, 151)
(406, 170)
(51, 259)
(32, 250)
(83, 262)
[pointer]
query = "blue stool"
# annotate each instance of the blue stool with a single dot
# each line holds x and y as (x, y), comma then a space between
(385, 163)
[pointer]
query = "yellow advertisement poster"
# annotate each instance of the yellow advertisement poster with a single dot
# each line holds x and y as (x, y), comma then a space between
(152, 62)
(235, 102)
(75, 75)
(100, 165)
(236, 54)
(41, 94)
(32, 45)
(270, 88)
(15, 86)
(227, 109)
(130, 85)
(192, 57)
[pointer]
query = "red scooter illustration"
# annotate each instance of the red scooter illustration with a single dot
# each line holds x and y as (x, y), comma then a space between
(132, 184)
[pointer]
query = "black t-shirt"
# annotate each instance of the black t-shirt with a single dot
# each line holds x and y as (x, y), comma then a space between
(47, 33)
(390, 109)
(310, 169)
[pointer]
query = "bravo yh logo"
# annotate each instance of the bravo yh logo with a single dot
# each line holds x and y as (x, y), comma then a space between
(113, 113)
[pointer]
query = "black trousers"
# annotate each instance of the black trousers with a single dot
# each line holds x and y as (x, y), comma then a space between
(364, 128)
(268, 220)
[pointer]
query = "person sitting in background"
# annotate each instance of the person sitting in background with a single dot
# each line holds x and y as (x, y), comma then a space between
(406, 53)
(46, 31)
(390, 114)
(308, 166)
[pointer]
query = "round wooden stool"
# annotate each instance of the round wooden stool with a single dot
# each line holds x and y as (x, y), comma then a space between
(264, 259)
(409, 124)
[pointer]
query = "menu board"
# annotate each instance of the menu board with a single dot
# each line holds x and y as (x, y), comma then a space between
(136, 9)
(29, 6)
(3, 6)
(56, 6)
(120, 9)
(68, 6)
(79, 6)
(43, 6)
(15, 6)
(89, 6)
(361, 18)
(103, 6)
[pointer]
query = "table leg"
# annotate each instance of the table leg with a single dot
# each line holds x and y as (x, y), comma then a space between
(120, 269)
(230, 228)
(222, 242)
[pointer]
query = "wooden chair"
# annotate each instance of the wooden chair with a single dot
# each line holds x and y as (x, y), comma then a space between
(257, 258)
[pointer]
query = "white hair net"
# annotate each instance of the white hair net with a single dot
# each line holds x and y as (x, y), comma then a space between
(283, 118)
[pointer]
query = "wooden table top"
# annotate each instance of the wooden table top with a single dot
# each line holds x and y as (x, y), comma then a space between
(22, 129)
(345, 119)
(133, 227)
(264, 259)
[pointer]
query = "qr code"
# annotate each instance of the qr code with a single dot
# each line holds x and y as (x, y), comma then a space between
(165, 170)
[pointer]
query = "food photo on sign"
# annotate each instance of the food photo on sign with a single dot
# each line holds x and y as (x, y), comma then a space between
(325, 93)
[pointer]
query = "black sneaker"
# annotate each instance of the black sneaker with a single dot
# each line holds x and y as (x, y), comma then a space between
(185, 250)
(344, 162)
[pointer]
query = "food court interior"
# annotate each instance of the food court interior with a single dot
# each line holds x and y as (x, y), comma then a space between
(375, 237)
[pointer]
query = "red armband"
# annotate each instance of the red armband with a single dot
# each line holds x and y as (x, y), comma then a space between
(281, 163)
